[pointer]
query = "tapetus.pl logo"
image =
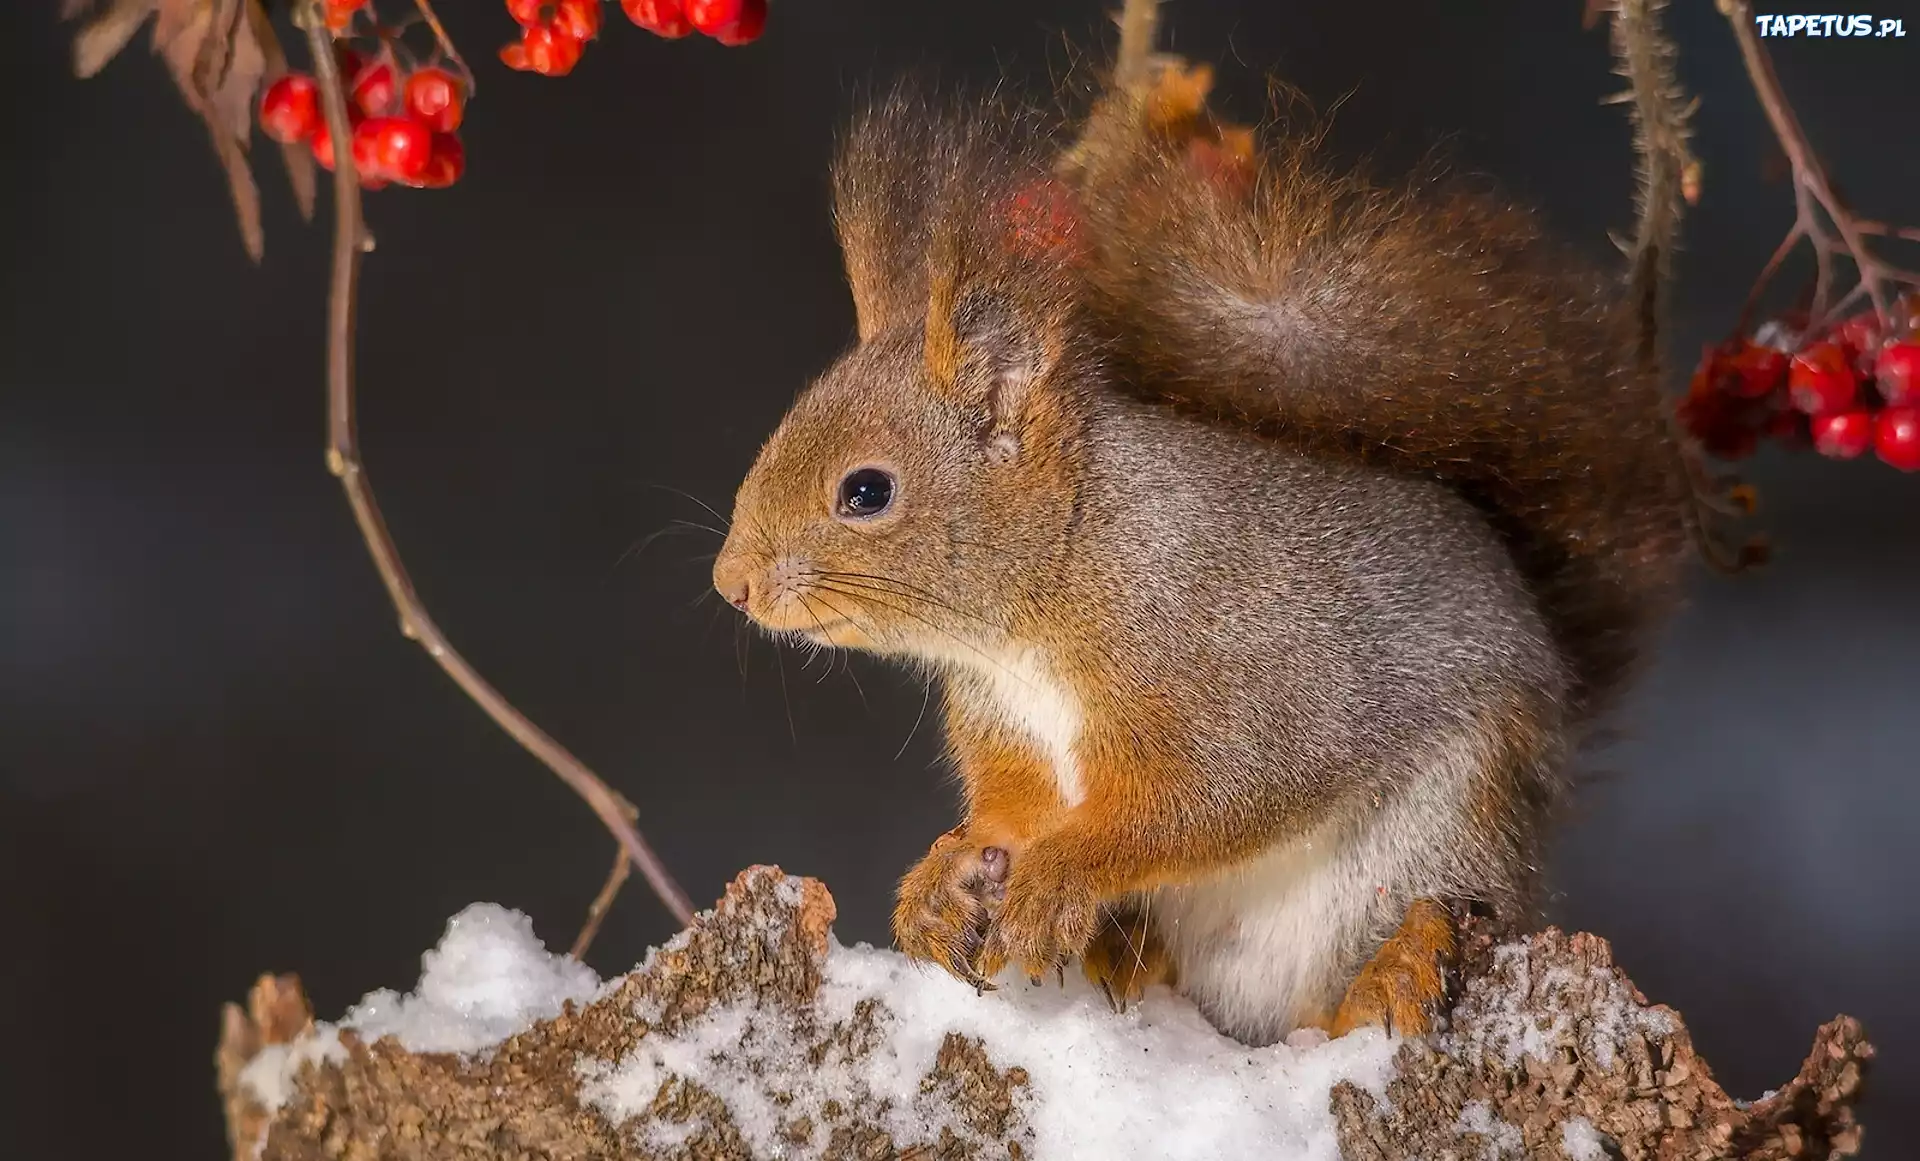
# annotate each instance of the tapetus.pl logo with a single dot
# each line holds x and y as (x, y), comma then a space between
(1857, 25)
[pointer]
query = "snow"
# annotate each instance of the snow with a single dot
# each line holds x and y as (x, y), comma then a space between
(1508, 1032)
(1156, 1082)
(1580, 1141)
(1503, 1138)
(489, 978)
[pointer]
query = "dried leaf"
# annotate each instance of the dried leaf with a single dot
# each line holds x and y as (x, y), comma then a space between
(302, 174)
(220, 52)
(103, 38)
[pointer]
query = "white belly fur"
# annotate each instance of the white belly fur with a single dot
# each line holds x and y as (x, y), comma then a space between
(1271, 944)
(1032, 702)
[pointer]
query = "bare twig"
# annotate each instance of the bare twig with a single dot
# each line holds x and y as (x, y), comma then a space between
(446, 43)
(1139, 27)
(350, 241)
(597, 913)
(1660, 112)
(1813, 194)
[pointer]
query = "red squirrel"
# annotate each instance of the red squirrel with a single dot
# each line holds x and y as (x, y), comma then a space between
(1274, 536)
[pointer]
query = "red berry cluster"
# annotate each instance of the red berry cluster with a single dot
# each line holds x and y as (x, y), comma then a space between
(554, 33)
(340, 13)
(1842, 390)
(404, 125)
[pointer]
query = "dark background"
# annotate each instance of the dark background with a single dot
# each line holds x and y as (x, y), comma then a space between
(218, 757)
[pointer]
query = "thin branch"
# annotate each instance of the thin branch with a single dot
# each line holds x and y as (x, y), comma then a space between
(1660, 112)
(1139, 27)
(446, 43)
(601, 903)
(1812, 187)
(350, 241)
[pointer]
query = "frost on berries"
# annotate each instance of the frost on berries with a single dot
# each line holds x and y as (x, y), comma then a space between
(1844, 389)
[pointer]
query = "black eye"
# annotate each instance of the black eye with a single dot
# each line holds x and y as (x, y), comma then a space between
(865, 492)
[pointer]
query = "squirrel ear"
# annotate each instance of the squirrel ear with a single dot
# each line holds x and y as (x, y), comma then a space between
(984, 349)
(985, 352)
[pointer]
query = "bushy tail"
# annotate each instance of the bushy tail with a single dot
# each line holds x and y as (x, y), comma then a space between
(1428, 326)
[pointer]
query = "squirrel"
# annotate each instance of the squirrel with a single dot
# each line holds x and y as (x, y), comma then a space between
(1274, 537)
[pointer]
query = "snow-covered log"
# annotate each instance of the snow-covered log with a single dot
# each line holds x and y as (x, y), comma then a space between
(755, 1034)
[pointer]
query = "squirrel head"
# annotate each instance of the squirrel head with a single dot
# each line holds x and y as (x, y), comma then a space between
(917, 494)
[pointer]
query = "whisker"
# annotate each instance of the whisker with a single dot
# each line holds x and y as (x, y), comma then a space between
(905, 612)
(905, 590)
(690, 496)
(847, 668)
(639, 546)
(926, 697)
(786, 699)
(742, 643)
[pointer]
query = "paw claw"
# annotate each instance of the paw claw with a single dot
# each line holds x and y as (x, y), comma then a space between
(1403, 986)
(946, 904)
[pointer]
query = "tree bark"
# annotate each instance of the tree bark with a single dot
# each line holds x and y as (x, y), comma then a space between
(1546, 1032)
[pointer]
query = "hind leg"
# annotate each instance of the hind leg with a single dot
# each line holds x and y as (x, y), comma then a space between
(1403, 986)
(1127, 957)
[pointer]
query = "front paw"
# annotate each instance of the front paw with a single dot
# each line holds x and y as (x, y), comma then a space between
(1048, 917)
(946, 902)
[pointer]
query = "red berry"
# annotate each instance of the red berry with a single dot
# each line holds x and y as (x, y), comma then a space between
(526, 13)
(446, 161)
(1756, 370)
(1843, 434)
(435, 99)
(374, 90)
(660, 17)
(713, 16)
(1896, 437)
(579, 19)
(291, 108)
(1898, 372)
(545, 50)
(1791, 428)
(395, 148)
(322, 139)
(340, 13)
(1706, 374)
(746, 27)
(1822, 379)
(1719, 426)
(1859, 334)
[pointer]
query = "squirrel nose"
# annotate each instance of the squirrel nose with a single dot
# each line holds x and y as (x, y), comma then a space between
(730, 574)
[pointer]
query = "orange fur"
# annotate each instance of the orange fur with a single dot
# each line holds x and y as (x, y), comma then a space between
(1405, 982)
(1126, 958)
